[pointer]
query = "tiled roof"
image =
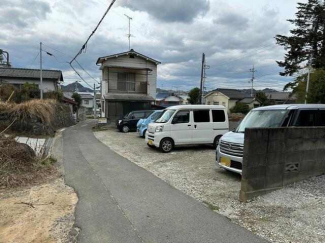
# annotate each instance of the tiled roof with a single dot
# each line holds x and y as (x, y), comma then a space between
(30, 73)
(247, 100)
(233, 93)
(280, 96)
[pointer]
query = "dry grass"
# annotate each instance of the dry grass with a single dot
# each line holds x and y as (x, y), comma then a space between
(42, 109)
(236, 117)
(19, 165)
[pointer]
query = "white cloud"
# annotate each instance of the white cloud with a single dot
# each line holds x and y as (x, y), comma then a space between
(234, 35)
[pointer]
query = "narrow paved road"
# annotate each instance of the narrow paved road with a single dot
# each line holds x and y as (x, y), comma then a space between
(120, 202)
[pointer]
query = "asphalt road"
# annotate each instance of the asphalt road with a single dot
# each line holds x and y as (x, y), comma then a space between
(121, 202)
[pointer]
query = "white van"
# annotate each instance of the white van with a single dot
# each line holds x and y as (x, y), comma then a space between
(230, 151)
(188, 124)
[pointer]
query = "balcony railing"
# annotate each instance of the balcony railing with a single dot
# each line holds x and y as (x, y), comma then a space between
(127, 87)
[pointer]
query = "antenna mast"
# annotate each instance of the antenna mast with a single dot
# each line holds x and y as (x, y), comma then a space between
(129, 35)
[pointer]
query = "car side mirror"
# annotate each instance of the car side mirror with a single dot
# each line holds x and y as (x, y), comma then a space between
(175, 120)
(132, 117)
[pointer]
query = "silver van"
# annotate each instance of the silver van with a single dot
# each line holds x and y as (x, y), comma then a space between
(231, 146)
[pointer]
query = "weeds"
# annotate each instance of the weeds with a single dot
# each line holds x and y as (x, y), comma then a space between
(211, 206)
(19, 166)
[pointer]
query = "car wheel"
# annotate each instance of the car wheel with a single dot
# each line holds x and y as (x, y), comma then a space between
(216, 141)
(166, 145)
(125, 129)
(144, 133)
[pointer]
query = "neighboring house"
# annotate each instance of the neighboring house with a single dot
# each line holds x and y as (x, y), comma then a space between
(129, 82)
(185, 99)
(251, 102)
(87, 101)
(229, 98)
(71, 103)
(19, 76)
(279, 98)
(165, 99)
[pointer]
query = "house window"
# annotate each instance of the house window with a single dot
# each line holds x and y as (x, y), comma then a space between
(126, 81)
(216, 103)
(86, 102)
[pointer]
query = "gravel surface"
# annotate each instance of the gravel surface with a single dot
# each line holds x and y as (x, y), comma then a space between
(293, 214)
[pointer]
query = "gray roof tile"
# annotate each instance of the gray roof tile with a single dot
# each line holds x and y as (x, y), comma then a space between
(30, 73)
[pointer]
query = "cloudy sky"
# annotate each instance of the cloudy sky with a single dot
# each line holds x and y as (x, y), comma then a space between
(234, 35)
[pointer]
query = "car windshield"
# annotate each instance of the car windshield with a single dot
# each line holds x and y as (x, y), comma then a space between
(260, 118)
(165, 116)
(155, 116)
(127, 115)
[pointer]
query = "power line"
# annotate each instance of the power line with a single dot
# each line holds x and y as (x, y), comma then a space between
(84, 46)
(57, 51)
(33, 60)
(86, 71)
(66, 62)
(80, 76)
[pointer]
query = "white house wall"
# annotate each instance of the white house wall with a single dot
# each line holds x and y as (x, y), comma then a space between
(89, 105)
(218, 98)
(136, 62)
(47, 85)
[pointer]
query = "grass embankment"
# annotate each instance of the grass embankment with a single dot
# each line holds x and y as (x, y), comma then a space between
(19, 166)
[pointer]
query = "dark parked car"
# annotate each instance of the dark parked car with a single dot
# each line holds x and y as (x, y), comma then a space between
(129, 122)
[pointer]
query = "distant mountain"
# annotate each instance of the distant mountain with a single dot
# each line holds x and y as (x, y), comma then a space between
(267, 90)
(169, 91)
(75, 87)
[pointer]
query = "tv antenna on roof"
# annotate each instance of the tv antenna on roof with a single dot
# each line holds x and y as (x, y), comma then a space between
(129, 35)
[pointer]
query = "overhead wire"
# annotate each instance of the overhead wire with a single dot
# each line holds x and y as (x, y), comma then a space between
(84, 46)
(33, 60)
(66, 62)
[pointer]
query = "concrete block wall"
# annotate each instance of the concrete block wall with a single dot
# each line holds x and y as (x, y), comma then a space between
(275, 157)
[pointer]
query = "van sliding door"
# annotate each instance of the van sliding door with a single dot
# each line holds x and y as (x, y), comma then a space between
(202, 131)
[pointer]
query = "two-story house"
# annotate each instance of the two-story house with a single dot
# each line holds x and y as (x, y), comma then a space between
(129, 82)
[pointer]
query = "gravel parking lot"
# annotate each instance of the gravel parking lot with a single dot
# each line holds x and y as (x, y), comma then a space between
(292, 214)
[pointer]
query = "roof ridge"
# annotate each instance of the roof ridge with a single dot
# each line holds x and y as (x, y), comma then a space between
(32, 69)
(127, 52)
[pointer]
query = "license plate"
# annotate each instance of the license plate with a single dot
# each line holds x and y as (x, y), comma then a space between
(150, 142)
(225, 161)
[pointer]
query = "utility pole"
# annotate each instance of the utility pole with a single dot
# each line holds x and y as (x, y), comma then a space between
(253, 71)
(202, 78)
(95, 108)
(129, 35)
(41, 72)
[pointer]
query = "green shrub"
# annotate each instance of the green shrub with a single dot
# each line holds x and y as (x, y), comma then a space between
(240, 108)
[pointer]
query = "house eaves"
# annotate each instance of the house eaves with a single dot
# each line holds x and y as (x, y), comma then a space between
(25, 73)
(131, 52)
